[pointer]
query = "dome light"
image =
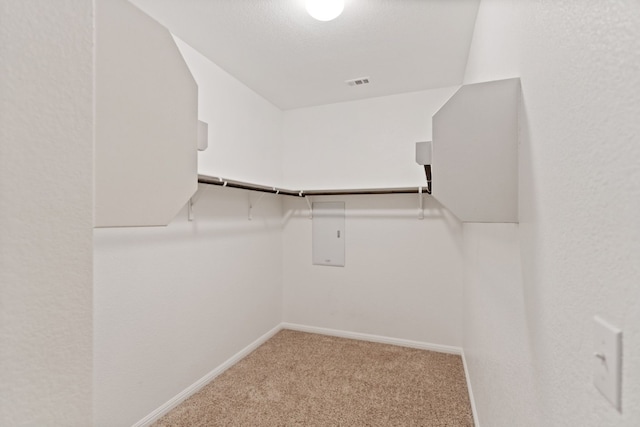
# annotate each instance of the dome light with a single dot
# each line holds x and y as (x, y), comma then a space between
(325, 10)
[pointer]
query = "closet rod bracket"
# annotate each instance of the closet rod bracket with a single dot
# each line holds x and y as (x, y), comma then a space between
(253, 204)
(191, 203)
(308, 200)
(190, 215)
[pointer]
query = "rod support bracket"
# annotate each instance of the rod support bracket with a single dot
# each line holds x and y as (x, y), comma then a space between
(190, 215)
(308, 200)
(253, 204)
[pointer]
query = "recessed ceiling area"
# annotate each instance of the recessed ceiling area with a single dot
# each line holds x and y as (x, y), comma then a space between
(278, 50)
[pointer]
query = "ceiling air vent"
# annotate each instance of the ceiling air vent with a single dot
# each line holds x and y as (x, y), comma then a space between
(358, 82)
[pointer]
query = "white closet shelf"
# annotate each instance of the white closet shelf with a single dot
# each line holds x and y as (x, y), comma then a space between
(204, 179)
(146, 114)
(475, 137)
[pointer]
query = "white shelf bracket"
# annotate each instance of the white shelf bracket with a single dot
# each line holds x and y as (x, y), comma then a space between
(191, 203)
(190, 215)
(253, 204)
(420, 204)
(308, 200)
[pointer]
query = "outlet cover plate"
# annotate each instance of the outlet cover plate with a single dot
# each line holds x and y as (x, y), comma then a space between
(607, 360)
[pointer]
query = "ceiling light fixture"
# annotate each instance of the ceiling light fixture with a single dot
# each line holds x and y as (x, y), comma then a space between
(325, 10)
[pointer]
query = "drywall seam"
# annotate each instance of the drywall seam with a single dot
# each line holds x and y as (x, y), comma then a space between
(474, 411)
(195, 387)
(374, 338)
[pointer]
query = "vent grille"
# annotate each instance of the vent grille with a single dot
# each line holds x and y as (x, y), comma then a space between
(358, 82)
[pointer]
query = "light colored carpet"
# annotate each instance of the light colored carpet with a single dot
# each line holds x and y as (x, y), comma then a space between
(302, 379)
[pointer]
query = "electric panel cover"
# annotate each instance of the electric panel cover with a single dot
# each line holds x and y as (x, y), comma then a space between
(328, 234)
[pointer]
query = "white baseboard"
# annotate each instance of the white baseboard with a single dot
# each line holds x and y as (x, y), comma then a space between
(476, 422)
(184, 394)
(373, 338)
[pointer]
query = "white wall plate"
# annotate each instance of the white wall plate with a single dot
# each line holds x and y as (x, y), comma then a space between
(607, 360)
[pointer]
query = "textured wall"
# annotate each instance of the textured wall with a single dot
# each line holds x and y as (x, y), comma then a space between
(359, 144)
(402, 276)
(579, 204)
(245, 130)
(46, 149)
(173, 303)
(497, 342)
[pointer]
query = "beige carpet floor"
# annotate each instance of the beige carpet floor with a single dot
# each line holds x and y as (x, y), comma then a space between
(302, 379)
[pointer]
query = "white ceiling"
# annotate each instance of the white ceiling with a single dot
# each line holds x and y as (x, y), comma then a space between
(278, 50)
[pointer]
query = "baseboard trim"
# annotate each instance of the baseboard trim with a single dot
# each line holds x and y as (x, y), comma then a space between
(373, 338)
(184, 394)
(476, 422)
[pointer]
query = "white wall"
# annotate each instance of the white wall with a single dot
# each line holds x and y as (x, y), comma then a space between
(245, 130)
(172, 304)
(531, 339)
(359, 144)
(402, 277)
(497, 341)
(46, 212)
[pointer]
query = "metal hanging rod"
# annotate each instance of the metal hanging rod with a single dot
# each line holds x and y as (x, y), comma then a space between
(223, 182)
(203, 179)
